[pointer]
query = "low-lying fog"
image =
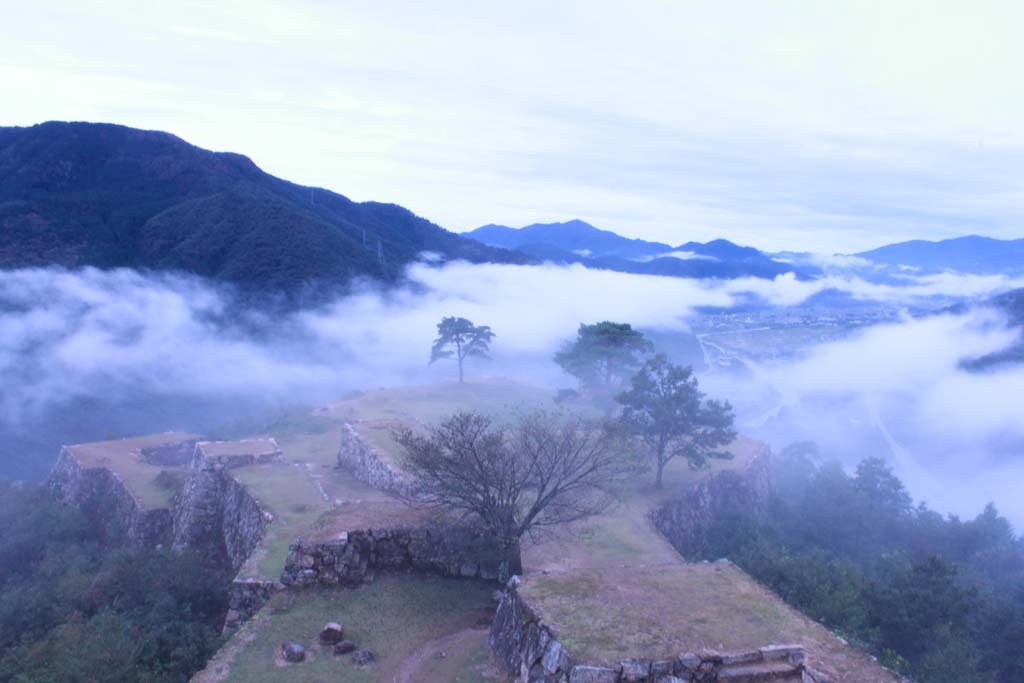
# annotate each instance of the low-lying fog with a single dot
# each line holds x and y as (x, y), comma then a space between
(92, 354)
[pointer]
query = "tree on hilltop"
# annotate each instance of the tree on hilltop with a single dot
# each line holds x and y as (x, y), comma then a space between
(603, 356)
(459, 338)
(665, 408)
(541, 471)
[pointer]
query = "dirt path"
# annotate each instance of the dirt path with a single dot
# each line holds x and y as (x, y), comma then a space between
(409, 671)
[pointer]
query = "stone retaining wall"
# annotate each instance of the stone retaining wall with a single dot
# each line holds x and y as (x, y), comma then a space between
(240, 453)
(352, 557)
(366, 464)
(688, 520)
(532, 650)
(108, 504)
(214, 514)
(169, 455)
(217, 516)
(245, 598)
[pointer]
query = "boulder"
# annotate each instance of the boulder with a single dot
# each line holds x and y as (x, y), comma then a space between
(293, 652)
(688, 662)
(331, 633)
(343, 647)
(363, 657)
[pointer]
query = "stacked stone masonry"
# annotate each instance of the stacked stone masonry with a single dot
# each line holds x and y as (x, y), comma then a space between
(367, 465)
(246, 597)
(688, 520)
(352, 557)
(232, 454)
(175, 454)
(216, 515)
(108, 503)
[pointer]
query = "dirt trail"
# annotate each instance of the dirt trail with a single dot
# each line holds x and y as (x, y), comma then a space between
(409, 671)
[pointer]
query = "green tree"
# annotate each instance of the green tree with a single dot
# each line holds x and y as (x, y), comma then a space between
(665, 408)
(459, 338)
(881, 488)
(603, 356)
(922, 603)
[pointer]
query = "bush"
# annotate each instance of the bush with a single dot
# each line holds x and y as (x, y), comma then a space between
(938, 598)
(70, 608)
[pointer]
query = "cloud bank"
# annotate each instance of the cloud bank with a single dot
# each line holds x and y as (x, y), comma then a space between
(897, 390)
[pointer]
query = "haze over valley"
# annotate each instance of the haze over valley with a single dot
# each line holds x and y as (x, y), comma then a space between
(545, 344)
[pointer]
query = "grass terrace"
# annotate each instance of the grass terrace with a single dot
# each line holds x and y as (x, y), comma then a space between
(404, 620)
(431, 403)
(299, 492)
(255, 447)
(613, 587)
(122, 456)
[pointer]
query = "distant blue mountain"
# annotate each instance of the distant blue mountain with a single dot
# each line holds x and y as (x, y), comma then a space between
(579, 242)
(575, 237)
(971, 254)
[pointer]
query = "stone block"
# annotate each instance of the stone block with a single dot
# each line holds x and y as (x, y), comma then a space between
(593, 674)
(635, 670)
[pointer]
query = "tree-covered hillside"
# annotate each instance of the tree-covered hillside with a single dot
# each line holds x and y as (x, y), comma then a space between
(939, 598)
(77, 194)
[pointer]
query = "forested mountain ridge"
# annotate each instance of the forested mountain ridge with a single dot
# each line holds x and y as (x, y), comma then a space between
(104, 195)
(969, 254)
(576, 241)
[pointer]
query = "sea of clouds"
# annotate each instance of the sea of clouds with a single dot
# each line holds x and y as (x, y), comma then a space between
(896, 390)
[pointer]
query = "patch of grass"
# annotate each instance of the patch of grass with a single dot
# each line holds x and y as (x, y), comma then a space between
(431, 403)
(300, 492)
(122, 457)
(171, 481)
(392, 617)
(468, 661)
(294, 419)
(575, 586)
(290, 495)
(605, 615)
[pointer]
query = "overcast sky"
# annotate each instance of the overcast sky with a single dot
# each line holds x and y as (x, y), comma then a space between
(821, 126)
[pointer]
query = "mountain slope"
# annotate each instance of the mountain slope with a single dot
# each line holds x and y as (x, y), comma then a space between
(574, 237)
(579, 242)
(971, 254)
(1011, 304)
(76, 194)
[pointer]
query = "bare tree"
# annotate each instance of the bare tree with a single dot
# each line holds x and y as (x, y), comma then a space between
(543, 470)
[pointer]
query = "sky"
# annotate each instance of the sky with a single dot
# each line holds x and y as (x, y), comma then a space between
(830, 127)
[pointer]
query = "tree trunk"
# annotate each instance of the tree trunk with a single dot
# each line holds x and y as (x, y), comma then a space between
(661, 469)
(512, 560)
(458, 357)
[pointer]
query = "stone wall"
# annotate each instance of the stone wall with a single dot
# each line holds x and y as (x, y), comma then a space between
(688, 520)
(532, 650)
(214, 514)
(245, 598)
(240, 453)
(169, 455)
(108, 503)
(366, 464)
(351, 557)
(217, 516)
